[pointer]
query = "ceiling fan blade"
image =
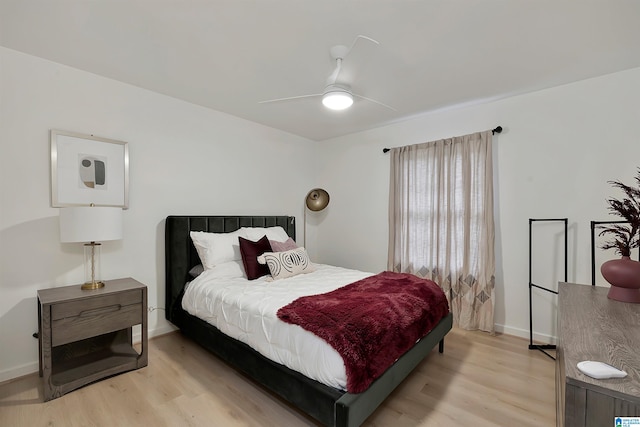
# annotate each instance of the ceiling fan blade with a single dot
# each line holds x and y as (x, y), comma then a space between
(374, 101)
(350, 60)
(339, 53)
(361, 37)
(289, 98)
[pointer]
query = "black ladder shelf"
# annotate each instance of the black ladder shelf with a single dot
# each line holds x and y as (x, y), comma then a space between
(532, 285)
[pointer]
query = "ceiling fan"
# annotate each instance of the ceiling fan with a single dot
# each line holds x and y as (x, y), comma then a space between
(336, 95)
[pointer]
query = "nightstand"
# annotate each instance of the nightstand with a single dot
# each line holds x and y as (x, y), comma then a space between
(86, 335)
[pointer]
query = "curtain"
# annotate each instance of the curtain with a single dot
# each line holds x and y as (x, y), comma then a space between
(441, 222)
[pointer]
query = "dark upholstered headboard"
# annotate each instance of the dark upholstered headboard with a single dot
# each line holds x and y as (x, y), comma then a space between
(181, 255)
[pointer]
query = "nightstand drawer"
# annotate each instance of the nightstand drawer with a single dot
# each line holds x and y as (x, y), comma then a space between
(80, 306)
(77, 320)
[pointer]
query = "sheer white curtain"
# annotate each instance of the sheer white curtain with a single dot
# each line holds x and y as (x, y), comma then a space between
(441, 222)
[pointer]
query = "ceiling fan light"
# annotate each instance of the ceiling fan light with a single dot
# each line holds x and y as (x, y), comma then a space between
(337, 100)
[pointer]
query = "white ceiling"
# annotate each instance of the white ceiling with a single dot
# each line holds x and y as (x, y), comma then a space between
(230, 54)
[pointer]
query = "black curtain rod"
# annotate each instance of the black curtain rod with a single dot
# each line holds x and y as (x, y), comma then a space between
(493, 132)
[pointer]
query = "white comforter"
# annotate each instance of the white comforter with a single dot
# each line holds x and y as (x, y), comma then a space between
(247, 311)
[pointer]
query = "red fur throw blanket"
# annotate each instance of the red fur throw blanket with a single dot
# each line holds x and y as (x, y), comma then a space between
(371, 322)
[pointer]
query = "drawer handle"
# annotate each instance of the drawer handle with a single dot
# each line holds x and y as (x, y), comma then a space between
(101, 310)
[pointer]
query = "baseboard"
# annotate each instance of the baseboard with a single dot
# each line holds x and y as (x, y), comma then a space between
(33, 367)
(538, 338)
(154, 333)
(19, 371)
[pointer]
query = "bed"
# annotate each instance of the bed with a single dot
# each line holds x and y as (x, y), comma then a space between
(328, 405)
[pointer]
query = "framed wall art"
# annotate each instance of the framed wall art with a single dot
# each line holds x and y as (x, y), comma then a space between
(88, 170)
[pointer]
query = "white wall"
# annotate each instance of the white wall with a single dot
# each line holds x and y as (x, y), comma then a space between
(558, 149)
(185, 159)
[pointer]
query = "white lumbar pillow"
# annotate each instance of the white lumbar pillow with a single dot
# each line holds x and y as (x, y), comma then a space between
(288, 263)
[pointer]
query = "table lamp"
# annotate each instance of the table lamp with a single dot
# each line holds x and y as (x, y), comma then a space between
(91, 224)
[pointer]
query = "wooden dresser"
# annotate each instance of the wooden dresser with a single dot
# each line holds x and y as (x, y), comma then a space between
(593, 327)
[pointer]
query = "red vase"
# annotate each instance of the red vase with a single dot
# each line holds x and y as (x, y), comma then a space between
(624, 276)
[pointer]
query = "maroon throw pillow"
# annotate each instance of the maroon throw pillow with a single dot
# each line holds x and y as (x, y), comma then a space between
(250, 252)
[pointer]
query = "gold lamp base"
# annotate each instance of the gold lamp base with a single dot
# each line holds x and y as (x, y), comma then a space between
(92, 285)
(92, 267)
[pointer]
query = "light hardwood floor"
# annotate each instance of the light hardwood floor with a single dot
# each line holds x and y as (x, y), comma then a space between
(480, 380)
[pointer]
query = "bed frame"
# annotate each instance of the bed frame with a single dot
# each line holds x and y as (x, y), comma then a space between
(329, 406)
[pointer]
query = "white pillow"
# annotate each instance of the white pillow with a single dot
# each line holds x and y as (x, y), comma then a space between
(273, 233)
(227, 270)
(288, 263)
(217, 248)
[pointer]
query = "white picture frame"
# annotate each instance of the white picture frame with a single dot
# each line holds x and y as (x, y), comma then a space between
(87, 170)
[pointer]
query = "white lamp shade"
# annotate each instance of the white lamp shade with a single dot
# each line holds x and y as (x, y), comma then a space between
(90, 224)
(337, 100)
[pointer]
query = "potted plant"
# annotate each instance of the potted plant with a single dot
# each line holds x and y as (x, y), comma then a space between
(623, 274)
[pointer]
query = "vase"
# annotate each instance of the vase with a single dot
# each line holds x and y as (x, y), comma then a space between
(624, 276)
